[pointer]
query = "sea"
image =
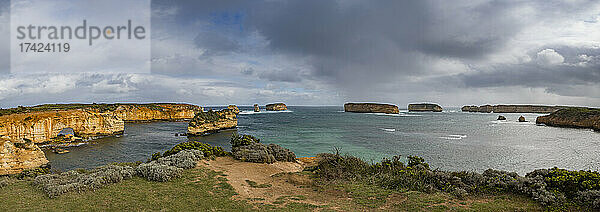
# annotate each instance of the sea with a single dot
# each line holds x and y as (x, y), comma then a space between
(449, 140)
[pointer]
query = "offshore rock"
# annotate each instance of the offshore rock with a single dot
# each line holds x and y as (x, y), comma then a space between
(424, 107)
(512, 108)
(256, 108)
(501, 118)
(575, 117)
(522, 119)
(16, 156)
(371, 108)
(213, 121)
(276, 107)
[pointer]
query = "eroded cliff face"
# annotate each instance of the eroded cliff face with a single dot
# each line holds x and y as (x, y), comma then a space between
(44, 122)
(512, 108)
(424, 107)
(156, 112)
(213, 121)
(40, 127)
(276, 107)
(16, 157)
(573, 117)
(371, 108)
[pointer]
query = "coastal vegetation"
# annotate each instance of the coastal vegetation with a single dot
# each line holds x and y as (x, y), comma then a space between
(574, 117)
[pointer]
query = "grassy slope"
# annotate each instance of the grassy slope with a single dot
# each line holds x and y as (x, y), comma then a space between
(204, 190)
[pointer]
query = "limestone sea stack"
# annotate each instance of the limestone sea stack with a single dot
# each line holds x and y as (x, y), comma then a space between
(256, 108)
(371, 108)
(16, 156)
(512, 108)
(424, 107)
(575, 117)
(276, 107)
(213, 121)
(522, 119)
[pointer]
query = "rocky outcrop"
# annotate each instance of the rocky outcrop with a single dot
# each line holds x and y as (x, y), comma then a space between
(424, 107)
(43, 122)
(512, 108)
(256, 108)
(249, 149)
(156, 112)
(276, 107)
(501, 118)
(522, 119)
(371, 108)
(213, 121)
(18, 156)
(572, 117)
(40, 127)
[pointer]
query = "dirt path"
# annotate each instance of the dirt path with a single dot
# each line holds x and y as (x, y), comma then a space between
(276, 184)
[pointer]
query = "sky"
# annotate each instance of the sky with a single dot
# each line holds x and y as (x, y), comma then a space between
(328, 52)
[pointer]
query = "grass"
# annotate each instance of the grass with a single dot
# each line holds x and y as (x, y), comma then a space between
(205, 190)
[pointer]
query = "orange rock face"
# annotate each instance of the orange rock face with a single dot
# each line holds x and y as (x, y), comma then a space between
(14, 159)
(89, 120)
(276, 107)
(573, 117)
(213, 121)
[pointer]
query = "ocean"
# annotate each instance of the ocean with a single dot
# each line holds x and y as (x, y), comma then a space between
(450, 140)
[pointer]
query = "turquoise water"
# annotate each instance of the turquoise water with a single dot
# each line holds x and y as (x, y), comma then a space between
(451, 140)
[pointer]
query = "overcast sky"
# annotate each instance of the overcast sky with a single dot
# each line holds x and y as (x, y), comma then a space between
(327, 52)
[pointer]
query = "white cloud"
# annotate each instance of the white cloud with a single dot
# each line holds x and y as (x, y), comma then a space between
(549, 57)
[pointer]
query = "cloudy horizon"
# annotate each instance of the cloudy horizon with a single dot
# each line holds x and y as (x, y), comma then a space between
(316, 52)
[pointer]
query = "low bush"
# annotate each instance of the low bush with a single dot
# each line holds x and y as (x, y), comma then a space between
(32, 173)
(550, 187)
(243, 140)
(4, 181)
(207, 149)
(74, 181)
(158, 172)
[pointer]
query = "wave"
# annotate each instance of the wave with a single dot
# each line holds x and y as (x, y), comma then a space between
(399, 115)
(388, 130)
(453, 137)
(251, 112)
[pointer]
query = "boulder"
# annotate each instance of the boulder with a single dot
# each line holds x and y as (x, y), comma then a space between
(256, 108)
(276, 107)
(501, 118)
(522, 119)
(424, 107)
(371, 108)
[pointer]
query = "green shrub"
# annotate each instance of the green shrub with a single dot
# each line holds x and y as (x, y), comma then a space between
(32, 173)
(207, 149)
(243, 140)
(158, 172)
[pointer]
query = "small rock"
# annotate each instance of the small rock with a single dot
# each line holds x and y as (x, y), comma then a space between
(522, 119)
(501, 118)
(256, 108)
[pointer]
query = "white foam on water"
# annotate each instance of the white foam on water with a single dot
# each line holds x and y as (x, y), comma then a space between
(251, 112)
(388, 130)
(453, 137)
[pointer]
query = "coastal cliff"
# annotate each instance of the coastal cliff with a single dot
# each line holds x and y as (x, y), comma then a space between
(512, 108)
(44, 122)
(573, 117)
(213, 121)
(276, 107)
(371, 108)
(424, 107)
(18, 156)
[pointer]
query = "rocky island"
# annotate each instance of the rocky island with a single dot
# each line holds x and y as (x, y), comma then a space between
(44, 122)
(276, 107)
(512, 108)
(371, 108)
(575, 117)
(213, 121)
(424, 107)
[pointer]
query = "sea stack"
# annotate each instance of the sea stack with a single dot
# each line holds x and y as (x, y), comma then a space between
(213, 121)
(501, 118)
(256, 108)
(522, 119)
(424, 107)
(276, 107)
(371, 108)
